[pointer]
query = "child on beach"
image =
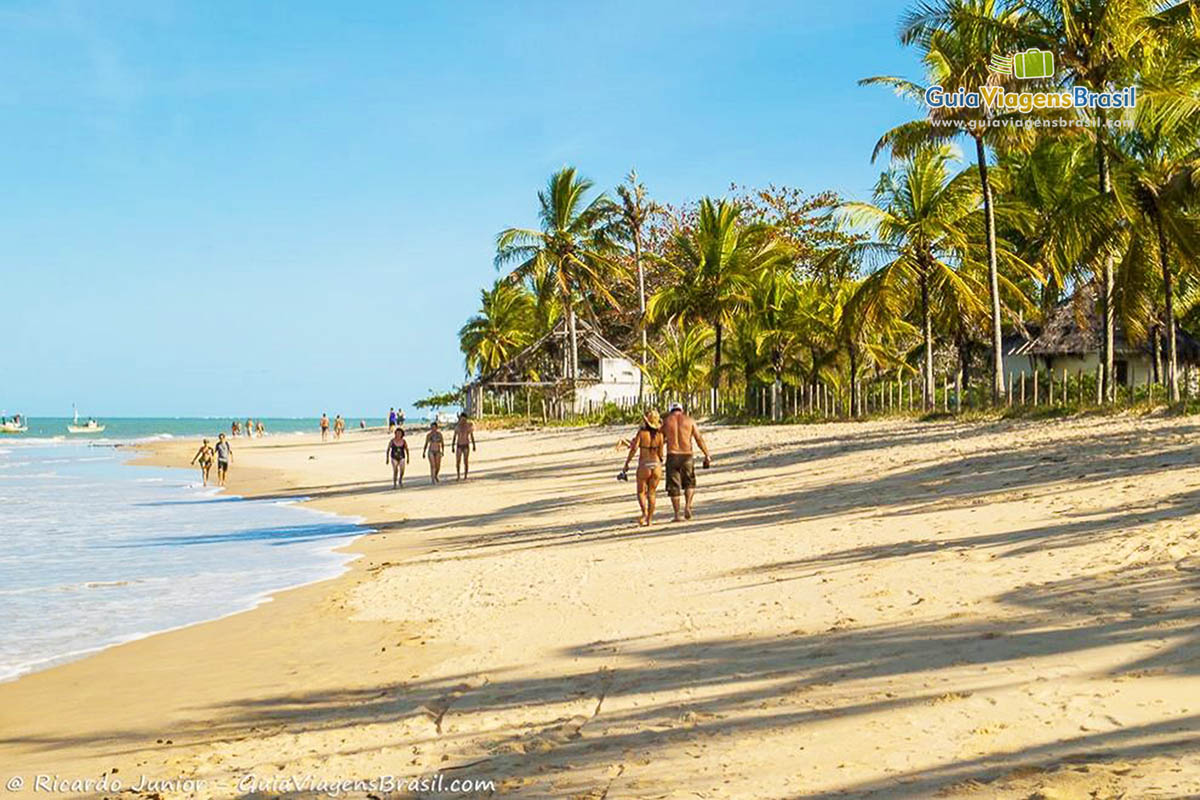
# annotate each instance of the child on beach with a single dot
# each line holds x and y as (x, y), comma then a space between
(397, 456)
(205, 456)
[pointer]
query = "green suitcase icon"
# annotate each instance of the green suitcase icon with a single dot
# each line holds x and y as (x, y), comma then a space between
(1034, 64)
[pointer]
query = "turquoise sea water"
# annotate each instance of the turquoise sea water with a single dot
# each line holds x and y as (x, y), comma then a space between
(94, 551)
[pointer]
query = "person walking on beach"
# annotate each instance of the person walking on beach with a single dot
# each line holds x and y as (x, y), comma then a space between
(391, 419)
(397, 456)
(650, 445)
(249, 427)
(434, 444)
(262, 429)
(339, 426)
(463, 442)
(224, 452)
(205, 456)
(324, 426)
(680, 431)
(235, 429)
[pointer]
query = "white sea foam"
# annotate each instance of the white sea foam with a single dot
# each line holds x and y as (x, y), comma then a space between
(96, 552)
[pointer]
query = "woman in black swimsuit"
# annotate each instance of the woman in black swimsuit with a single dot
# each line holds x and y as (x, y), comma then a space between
(397, 456)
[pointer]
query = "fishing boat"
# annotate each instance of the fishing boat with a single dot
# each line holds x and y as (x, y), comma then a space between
(15, 424)
(91, 426)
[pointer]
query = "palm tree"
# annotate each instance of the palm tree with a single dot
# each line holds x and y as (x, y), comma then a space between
(678, 366)
(1096, 44)
(713, 265)
(921, 222)
(569, 255)
(956, 57)
(1158, 188)
(633, 210)
(501, 329)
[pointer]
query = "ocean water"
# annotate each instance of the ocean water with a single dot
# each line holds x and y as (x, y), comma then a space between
(94, 552)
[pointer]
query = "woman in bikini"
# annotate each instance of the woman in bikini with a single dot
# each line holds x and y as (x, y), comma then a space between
(205, 456)
(650, 445)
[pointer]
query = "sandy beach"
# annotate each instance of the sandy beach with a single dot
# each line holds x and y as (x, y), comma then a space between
(882, 609)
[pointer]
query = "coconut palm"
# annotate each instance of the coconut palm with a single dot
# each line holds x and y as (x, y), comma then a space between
(921, 222)
(956, 52)
(569, 254)
(1158, 188)
(633, 211)
(713, 264)
(678, 366)
(501, 329)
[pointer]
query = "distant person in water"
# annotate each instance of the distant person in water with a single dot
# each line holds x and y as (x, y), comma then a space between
(324, 426)
(397, 456)
(205, 456)
(680, 431)
(339, 426)
(650, 446)
(391, 419)
(235, 429)
(362, 424)
(224, 452)
(262, 429)
(463, 442)
(434, 445)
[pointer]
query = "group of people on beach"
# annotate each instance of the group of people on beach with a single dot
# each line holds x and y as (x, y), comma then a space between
(666, 442)
(339, 426)
(252, 428)
(462, 443)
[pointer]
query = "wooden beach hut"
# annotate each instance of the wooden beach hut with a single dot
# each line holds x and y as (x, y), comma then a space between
(606, 375)
(1071, 337)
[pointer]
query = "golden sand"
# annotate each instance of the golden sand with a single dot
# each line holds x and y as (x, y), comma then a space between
(880, 609)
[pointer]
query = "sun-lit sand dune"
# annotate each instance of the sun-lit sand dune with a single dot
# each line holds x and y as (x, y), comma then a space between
(881, 609)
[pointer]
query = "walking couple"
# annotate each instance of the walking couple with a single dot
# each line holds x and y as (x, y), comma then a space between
(671, 440)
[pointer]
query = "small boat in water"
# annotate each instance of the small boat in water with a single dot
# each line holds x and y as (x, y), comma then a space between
(17, 424)
(91, 426)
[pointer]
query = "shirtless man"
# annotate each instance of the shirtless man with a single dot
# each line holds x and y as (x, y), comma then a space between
(680, 431)
(324, 426)
(463, 443)
(434, 444)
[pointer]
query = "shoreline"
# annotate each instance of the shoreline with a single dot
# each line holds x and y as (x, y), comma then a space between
(985, 609)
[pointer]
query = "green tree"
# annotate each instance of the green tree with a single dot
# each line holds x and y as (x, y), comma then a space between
(501, 329)
(570, 254)
(678, 366)
(713, 264)
(634, 210)
(920, 222)
(956, 52)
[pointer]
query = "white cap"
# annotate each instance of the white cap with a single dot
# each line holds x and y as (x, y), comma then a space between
(675, 407)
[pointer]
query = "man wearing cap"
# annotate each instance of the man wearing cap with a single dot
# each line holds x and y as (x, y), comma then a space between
(680, 431)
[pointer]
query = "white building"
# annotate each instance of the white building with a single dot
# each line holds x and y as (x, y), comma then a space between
(606, 374)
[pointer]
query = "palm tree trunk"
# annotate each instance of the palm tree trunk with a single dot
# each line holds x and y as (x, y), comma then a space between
(574, 363)
(716, 378)
(637, 261)
(927, 316)
(1169, 291)
(1106, 290)
(993, 274)
(855, 402)
(777, 384)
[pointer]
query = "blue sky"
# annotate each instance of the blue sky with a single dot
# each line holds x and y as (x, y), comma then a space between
(287, 208)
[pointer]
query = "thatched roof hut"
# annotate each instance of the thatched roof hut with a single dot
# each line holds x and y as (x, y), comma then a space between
(1075, 329)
